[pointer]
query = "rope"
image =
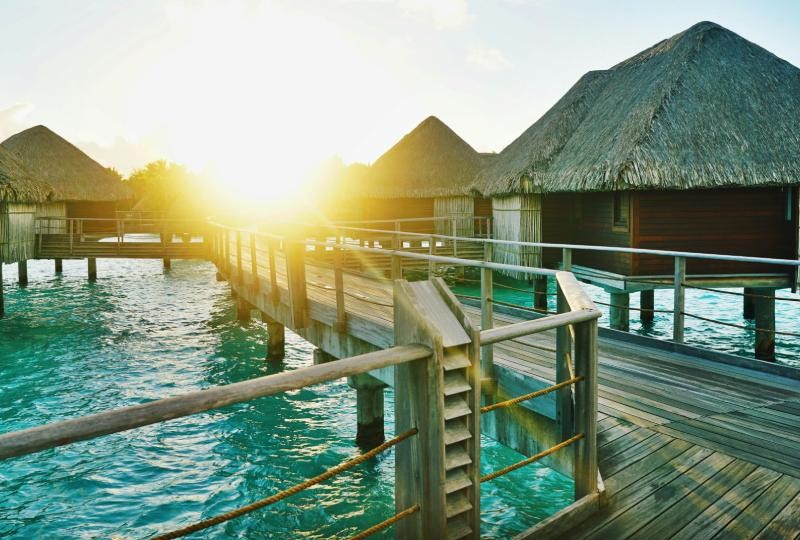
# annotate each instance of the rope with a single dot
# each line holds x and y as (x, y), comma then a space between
(525, 397)
(349, 464)
(385, 524)
(741, 327)
(751, 295)
(532, 459)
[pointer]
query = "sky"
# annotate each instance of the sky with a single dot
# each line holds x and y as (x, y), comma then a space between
(260, 92)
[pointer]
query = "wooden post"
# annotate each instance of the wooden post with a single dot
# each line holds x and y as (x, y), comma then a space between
(765, 323)
(422, 476)
(276, 339)
(487, 312)
(243, 308)
(397, 263)
(454, 229)
(566, 259)
(620, 311)
(586, 408)
(431, 252)
(647, 303)
(71, 233)
(564, 408)
(340, 325)
(680, 299)
(91, 264)
(254, 263)
(59, 266)
(274, 291)
(167, 263)
(369, 410)
(239, 269)
(22, 272)
(748, 304)
(2, 300)
(296, 275)
(540, 294)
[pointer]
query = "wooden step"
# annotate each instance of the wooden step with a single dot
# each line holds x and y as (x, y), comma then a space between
(458, 528)
(456, 456)
(455, 407)
(456, 480)
(455, 432)
(455, 382)
(457, 503)
(455, 360)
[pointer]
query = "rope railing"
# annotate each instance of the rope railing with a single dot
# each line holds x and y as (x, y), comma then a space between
(387, 523)
(740, 326)
(744, 294)
(532, 459)
(506, 304)
(297, 488)
(531, 395)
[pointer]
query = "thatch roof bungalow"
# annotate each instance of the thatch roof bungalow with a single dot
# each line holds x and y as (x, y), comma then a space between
(83, 187)
(429, 172)
(20, 192)
(692, 144)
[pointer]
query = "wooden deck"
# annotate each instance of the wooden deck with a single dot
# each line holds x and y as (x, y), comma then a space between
(688, 447)
(61, 246)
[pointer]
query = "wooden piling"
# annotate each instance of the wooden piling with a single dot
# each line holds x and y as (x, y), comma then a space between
(276, 339)
(91, 264)
(243, 308)
(22, 272)
(619, 311)
(748, 304)
(2, 300)
(369, 410)
(764, 305)
(167, 263)
(540, 294)
(647, 301)
(59, 266)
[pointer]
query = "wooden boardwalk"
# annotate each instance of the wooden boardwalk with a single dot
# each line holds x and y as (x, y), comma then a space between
(688, 447)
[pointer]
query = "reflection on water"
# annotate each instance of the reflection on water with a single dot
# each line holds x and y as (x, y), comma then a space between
(69, 347)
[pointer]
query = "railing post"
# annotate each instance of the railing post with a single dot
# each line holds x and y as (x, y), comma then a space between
(431, 252)
(397, 262)
(585, 469)
(274, 291)
(680, 299)
(295, 249)
(340, 325)
(71, 232)
(454, 229)
(487, 312)
(566, 259)
(239, 269)
(564, 406)
(254, 262)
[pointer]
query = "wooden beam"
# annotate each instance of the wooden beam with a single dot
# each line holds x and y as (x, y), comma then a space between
(586, 408)
(487, 313)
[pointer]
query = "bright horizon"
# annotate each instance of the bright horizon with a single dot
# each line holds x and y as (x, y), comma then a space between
(261, 92)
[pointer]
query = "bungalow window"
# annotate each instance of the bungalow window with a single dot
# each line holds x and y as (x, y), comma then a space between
(622, 210)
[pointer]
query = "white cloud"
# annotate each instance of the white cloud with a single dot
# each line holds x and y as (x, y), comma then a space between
(13, 119)
(488, 59)
(444, 14)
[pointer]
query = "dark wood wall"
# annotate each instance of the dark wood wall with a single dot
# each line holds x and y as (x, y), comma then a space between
(585, 218)
(740, 221)
(94, 209)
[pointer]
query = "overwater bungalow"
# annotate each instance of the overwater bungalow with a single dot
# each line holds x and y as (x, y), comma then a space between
(429, 172)
(83, 187)
(692, 144)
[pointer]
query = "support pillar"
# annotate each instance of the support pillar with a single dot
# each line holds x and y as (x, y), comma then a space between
(748, 304)
(220, 277)
(276, 339)
(321, 357)
(167, 263)
(91, 264)
(59, 266)
(22, 272)
(647, 301)
(540, 294)
(243, 308)
(620, 314)
(2, 301)
(764, 305)
(369, 410)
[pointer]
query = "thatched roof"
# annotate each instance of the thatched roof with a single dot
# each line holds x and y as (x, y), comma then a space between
(74, 175)
(431, 161)
(17, 183)
(705, 108)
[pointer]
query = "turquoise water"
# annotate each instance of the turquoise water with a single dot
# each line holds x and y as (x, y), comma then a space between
(711, 305)
(69, 347)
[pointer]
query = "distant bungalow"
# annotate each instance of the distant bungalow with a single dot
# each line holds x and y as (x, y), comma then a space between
(693, 144)
(429, 172)
(83, 187)
(20, 193)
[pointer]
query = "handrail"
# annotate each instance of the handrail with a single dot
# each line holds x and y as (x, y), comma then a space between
(524, 328)
(40, 438)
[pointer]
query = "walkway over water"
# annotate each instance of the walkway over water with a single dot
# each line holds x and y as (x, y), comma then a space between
(687, 446)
